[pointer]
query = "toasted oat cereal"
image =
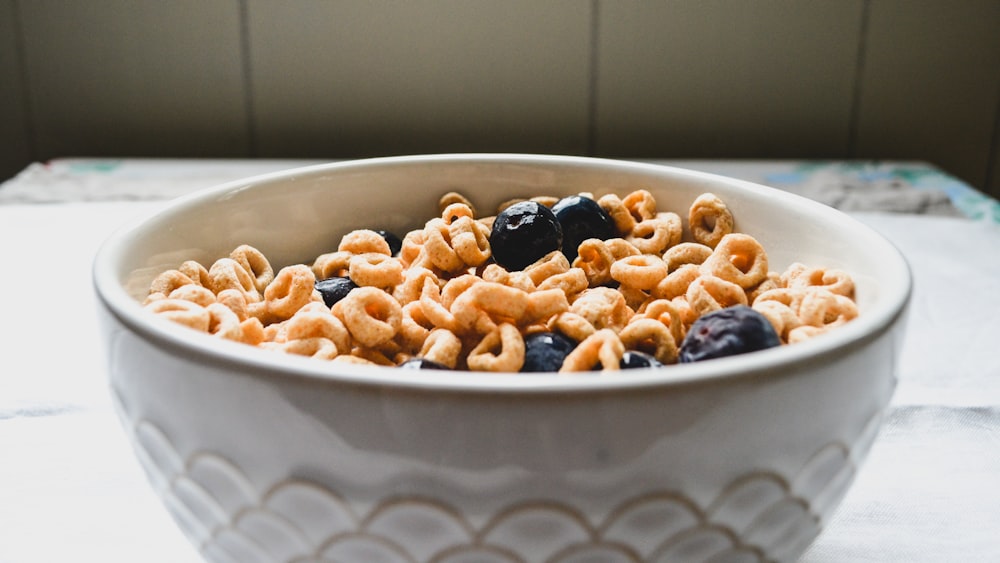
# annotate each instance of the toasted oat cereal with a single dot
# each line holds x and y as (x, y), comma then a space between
(442, 298)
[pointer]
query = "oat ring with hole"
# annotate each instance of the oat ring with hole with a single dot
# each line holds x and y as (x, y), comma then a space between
(709, 219)
(650, 336)
(739, 259)
(254, 262)
(502, 349)
(603, 348)
(643, 271)
(180, 311)
(709, 293)
(371, 315)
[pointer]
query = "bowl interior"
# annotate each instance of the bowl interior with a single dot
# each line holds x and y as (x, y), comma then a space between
(296, 215)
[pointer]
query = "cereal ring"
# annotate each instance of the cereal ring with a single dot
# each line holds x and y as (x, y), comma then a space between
(502, 349)
(195, 271)
(667, 313)
(414, 327)
(821, 307)
(648, 335)
(621, 248)
(603, 307)
(307, 324)
(641, 205)
(485, 304)
(236, 301)
(543, 305)
(772, 281)
(410, 288)
(371, 315)
(411, 253)
(570, 282)
(572, 325)
(227, 273)
(551, 264)
(363, 241)
(223, 322)
(291, 289)
(655, 235)
(316, 347)
(254, 262)
(373, 355)
(433, 310)
(471, 241)
(455, 287)
(438, 248)
(738, 259)
(686, 253)
(709, 219)
(184, 312)
(451, 198)
(331, 264)
(349, 359)
(443, 347)
(595, 260)
(613, 206)
(602, 348)
(836, 281)
(643, 271)
(375, 270)
(194, 293)
(252, 330)
(677, 282)
(709, 293)
(166, 282)
(780, 315)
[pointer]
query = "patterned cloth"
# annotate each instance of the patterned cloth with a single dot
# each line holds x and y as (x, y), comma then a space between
(901, 187)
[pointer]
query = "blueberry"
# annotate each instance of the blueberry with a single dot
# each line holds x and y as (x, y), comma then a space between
(636, 359)
(524, 233)
(395, 244)
(582, 218)
(422, 363)
(334, 289)
(545, 351)
(727, 332)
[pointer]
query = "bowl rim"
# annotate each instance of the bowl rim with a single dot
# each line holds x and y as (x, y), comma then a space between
(114, 298)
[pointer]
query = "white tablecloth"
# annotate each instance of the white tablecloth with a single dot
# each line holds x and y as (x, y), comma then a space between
(70, 489)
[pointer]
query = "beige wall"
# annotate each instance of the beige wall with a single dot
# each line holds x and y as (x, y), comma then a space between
(893, 79)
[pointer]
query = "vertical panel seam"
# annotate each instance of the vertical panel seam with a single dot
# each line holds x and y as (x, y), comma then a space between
(592, 81)
(991, 158)
(859, 66)
(21, 56)
(247, 70)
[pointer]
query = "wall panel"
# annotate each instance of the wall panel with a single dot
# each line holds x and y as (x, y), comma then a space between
(15, 150)
(361, 78)
(930, 83)
(694, 78)
(136, 78)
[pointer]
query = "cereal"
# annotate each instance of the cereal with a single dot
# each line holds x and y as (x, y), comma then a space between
(443, 298)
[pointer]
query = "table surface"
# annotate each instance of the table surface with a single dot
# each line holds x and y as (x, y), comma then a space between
(73, 491)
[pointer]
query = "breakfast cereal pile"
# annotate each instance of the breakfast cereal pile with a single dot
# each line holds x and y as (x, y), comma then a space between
(546, 284)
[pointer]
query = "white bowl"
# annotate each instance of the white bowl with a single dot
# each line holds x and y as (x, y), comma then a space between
(261, 456)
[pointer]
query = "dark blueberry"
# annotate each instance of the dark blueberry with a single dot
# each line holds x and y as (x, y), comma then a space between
(395, 244)
(524, 233)
(635, 359)
(422, 363)
(334, 289)
(581, 218)
(727, 332)
(545, 351)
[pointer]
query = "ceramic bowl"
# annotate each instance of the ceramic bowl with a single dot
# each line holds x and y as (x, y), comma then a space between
(262, 456)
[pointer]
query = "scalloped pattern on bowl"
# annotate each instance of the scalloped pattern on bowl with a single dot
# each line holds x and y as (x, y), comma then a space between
(760, 516)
